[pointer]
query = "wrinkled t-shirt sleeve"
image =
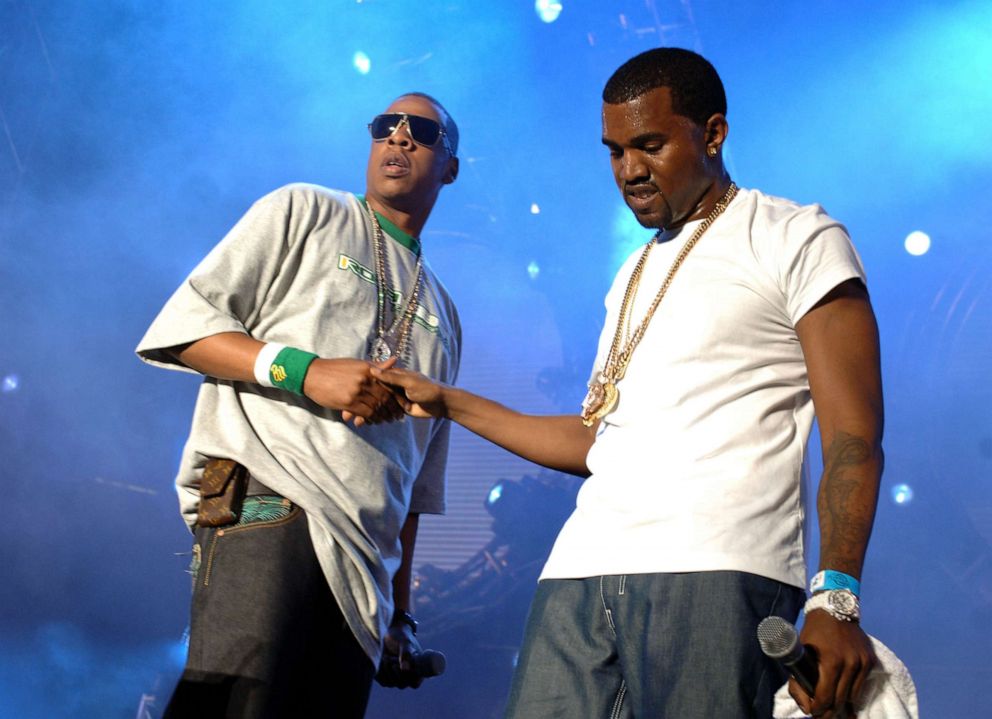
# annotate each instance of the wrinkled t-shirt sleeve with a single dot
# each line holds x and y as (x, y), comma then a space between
(429, 489)
(226, 290)
(428, 496)
(818, 256)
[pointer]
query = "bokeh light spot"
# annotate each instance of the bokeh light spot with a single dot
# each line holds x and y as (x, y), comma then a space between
(902, 494)
(362, 62)
(10, 383)
(548, 10)
(917, 243)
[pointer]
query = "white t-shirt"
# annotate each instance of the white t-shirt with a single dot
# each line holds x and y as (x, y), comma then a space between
(698, 467)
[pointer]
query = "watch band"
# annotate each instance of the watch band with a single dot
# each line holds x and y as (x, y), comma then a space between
(841, 604)
(401, 616)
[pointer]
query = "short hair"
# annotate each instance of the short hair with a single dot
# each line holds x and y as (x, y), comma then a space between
(450, 128)
(695, 86)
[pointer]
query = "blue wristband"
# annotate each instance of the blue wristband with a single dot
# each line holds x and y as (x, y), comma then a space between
(830, 579)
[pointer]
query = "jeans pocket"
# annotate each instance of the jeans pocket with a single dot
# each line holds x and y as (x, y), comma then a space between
(256, 516)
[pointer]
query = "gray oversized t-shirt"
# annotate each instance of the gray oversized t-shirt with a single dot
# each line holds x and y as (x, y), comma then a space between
(299, 269)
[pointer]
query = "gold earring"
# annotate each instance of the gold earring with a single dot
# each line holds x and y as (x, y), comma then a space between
(711, 151)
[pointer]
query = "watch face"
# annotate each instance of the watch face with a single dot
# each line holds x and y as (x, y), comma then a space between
(843, 601)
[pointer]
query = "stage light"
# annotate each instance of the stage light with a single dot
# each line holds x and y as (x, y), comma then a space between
(10, 383)
(535, 209)
(902, 494)
(508, 499)
(917, 243)
(362, 62)
(533, 270)
(494, 494)
(513, 505)
(548, 10)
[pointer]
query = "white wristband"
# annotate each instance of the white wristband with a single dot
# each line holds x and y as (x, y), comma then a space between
(263, 361)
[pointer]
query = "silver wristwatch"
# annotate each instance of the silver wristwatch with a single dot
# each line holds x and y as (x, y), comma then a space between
(840, 604)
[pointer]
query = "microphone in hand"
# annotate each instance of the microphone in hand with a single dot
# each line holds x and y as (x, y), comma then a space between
(780, 640)
(428, 663)
(419, 666)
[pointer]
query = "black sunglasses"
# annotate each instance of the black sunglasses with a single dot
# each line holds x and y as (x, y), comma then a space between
(423, 130)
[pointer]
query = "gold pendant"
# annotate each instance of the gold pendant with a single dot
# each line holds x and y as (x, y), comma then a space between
(600, 400)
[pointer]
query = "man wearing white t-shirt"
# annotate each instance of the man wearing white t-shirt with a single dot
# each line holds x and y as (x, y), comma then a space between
(721, 335)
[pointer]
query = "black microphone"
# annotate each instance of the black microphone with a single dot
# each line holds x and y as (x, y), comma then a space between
(422, 665)
(428, 663)
(780, 640)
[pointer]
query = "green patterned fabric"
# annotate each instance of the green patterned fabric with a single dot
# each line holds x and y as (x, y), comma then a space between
(194, 563)
(264, 508)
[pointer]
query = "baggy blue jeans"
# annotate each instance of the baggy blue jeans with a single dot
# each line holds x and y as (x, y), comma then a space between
(267, 638)
(646, 646)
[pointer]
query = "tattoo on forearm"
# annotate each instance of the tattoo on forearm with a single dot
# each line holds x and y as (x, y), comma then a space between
(846, 504)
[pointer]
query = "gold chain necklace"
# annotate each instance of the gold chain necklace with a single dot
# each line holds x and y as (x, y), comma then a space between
(603, 394)
(380, 351)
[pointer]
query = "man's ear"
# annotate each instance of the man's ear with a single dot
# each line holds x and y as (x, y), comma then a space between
(452, 172)
(716, 130)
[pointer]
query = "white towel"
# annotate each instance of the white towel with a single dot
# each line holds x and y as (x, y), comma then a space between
(889, 692)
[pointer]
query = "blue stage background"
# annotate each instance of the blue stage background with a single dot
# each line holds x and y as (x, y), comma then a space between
(134, 134)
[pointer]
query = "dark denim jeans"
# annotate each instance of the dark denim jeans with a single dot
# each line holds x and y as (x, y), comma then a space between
(647, 646)
(267, 638)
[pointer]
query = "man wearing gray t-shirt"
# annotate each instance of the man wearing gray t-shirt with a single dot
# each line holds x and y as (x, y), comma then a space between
(303, 495)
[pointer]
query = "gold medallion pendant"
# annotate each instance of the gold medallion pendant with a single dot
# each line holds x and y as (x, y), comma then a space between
(600, 400)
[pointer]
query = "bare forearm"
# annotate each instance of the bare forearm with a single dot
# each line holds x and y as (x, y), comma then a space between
(560, 442)
(228, 355)
(839, 337)
(342, 384)
(401, 580)
(852, 469)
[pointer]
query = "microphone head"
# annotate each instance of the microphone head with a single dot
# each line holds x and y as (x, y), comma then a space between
(429, 663)
(779, 639)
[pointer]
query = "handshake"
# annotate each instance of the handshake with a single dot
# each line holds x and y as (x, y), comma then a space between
(373, 393)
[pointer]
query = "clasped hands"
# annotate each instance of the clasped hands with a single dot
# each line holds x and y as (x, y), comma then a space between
(371, 392)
